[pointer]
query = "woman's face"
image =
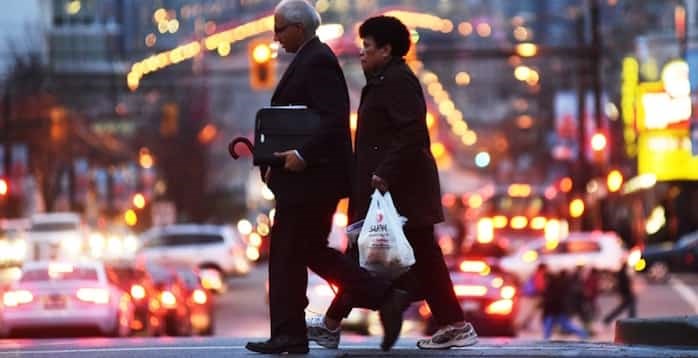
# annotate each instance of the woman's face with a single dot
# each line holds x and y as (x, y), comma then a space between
(373, 57)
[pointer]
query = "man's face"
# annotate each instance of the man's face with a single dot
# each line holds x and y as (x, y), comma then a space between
(288, 34)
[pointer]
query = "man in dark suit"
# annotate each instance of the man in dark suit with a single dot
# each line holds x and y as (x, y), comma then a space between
(307, 189)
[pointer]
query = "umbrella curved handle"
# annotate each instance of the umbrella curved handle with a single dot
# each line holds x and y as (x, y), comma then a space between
(243, 140)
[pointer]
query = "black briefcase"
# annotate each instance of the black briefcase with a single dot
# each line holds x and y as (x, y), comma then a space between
(279, 128)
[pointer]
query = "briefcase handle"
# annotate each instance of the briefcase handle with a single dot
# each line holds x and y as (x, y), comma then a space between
(235, 141)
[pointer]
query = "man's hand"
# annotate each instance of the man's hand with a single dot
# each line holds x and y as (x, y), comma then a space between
(292, 162)
(379, 183)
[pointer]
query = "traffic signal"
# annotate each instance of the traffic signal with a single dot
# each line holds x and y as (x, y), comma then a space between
(262, 66)
(4, 187)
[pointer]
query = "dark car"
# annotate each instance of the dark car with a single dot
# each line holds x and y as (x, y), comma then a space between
(488, 296)
(148, 317)
(172, 300)
(489, 301)
(661, 259)
(199, 301)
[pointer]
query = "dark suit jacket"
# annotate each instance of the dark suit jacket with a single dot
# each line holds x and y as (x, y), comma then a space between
(315, 79)
(392, 141)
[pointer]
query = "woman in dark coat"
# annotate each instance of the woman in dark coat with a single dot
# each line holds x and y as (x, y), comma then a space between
(392, 153)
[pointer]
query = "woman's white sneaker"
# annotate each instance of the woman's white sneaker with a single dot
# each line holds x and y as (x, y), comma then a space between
(320, 334)
(449, 337)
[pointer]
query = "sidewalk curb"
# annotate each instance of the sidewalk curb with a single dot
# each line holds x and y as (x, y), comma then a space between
(663, 331)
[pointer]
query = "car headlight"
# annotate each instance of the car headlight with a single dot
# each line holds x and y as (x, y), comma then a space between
(72, 244)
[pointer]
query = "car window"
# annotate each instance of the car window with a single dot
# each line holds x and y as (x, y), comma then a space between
(53, 226)
(191, 280)
(189, 239)
(45, 274)
(582, 246)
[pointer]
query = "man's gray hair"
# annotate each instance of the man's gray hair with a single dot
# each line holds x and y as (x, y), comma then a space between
(300, 12)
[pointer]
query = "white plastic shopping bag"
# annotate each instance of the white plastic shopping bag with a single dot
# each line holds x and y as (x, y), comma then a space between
(383, 247)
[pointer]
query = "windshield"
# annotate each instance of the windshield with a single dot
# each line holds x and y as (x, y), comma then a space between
(63, 274)
(53, 226)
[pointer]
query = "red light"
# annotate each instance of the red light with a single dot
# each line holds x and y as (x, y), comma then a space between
(16, 298)
(199, 296)
(137, 292)
(500, 307)
(598, 142)
(93, 295)
(566, 184)
(168, 299)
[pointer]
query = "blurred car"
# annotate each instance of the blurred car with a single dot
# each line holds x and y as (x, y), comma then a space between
(200, 303)
(65, 295)
(659, 260)
(202, 246)
(57, 236)
(149, 317)
(488, 296)
(113, 243)
(603, 251)
(321, 293)
(172, 297)
(13, 242)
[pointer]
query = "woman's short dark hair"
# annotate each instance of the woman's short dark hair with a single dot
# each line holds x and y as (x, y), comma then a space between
(387, 30)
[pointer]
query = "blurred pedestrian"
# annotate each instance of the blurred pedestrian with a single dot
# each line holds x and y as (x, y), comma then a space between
(591, 289)
(556, 306)
(307, 189)
(393, 154)
(533, 290)
(628, 300)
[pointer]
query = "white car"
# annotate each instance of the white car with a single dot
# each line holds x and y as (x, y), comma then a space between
(63, 295)
(601, 250)
(57, 236)
(215, 247)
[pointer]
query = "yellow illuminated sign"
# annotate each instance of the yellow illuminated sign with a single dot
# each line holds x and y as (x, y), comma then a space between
(629, 82)
(667, 154)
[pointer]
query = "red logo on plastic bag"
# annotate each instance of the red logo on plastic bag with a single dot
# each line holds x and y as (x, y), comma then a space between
(379, 217)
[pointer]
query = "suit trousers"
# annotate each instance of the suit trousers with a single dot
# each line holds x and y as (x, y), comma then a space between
(299, 239)
(428, 279)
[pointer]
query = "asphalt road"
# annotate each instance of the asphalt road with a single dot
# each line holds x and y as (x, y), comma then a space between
(363, 347)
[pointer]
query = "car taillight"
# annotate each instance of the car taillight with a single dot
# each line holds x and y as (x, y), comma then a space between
(475, 266)
(470, 290)
(199, 296)
(518, 222)
(529, 256)
(537, 223)
(168, 299)
(500, 307)
(137, 292)
(507, 292)
(93, 295)
(485, 230)
(16, 298)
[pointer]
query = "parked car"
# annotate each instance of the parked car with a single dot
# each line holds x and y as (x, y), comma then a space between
(62, 295)
(149, 317)
(202, 246)
(601, 250)
(662, 259)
